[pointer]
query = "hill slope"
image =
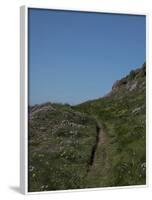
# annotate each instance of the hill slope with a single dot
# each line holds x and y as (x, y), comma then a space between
(60, 145)
(95, 144)
(122, 112)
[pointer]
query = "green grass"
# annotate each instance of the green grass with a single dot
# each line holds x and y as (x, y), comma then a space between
(59, 153)
(61, 139)
(123, 115)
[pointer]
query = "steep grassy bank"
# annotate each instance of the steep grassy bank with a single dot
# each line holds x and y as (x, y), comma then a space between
(122, 112)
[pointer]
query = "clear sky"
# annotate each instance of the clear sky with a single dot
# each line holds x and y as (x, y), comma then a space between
(77, 56)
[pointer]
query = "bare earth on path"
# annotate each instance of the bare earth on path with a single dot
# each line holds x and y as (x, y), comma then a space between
(99, 158)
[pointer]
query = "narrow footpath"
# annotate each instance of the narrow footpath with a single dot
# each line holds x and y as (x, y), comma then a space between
(99, 161)
(98, 153)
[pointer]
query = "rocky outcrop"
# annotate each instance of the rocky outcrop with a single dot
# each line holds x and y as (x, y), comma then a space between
(134, 81)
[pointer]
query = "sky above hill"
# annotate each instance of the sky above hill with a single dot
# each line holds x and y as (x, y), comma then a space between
(77, 56)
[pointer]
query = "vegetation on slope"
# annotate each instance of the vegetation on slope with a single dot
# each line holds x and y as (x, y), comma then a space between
(122, 112)
(98, 143)
(60, 144)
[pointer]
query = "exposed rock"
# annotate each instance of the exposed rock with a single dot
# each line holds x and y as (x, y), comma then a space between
(136, 110)
(134, 81)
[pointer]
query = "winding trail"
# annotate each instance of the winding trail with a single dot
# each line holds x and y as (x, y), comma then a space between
(99, 159)
(98, 154)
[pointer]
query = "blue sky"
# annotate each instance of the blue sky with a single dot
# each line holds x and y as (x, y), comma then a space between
(77, 56)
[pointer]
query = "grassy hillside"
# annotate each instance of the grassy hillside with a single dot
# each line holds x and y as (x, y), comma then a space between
(60, 145)
(122, 112)
(95, 144)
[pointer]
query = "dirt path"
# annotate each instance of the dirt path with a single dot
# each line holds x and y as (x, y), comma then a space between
(99, 161)
(98, 154)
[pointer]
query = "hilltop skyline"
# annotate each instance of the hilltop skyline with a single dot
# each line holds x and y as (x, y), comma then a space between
(77, 56)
